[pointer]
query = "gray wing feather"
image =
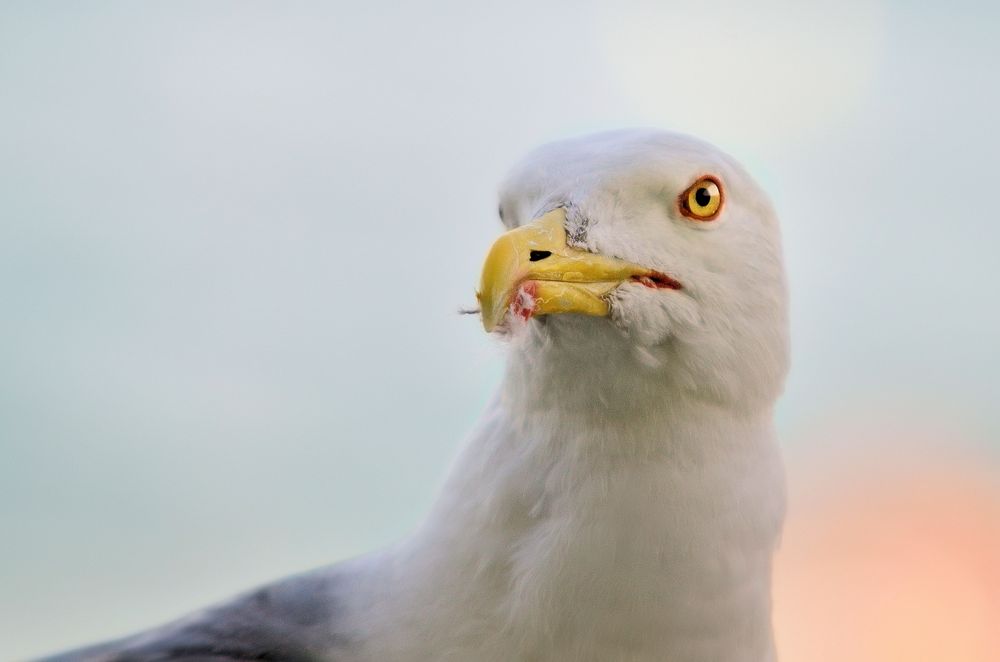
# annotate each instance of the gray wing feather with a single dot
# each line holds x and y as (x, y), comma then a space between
(292, 620)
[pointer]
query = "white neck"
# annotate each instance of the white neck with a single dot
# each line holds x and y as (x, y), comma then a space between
(589, 516)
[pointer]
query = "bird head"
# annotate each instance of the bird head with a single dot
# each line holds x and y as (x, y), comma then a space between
(646, 241)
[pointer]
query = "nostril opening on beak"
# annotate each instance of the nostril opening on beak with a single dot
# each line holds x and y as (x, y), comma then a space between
(535, 256)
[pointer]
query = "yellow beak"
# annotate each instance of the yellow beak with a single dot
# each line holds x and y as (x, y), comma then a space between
(532, 271)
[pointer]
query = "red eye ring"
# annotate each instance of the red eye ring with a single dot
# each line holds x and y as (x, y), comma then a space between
(703, 200)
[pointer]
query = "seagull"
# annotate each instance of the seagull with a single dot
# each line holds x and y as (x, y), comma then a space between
(623, 494)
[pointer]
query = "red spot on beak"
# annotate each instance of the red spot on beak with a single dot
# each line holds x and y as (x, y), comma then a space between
(524, 303)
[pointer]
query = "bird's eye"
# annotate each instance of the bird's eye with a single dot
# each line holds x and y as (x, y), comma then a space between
(702, 201)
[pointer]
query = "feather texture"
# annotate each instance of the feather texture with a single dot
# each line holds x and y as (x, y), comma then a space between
(621, 497)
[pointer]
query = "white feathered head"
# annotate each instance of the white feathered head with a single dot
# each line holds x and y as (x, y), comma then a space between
(651, 241)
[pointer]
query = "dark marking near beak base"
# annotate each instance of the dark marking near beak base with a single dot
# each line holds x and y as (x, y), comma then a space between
(535, 256)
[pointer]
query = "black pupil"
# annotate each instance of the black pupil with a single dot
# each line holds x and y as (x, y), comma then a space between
(702, 196)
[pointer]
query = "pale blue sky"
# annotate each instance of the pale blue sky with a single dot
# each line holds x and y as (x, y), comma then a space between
(233, 238)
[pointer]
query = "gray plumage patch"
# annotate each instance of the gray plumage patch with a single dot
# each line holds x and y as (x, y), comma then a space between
(577, 224)
(292, 620)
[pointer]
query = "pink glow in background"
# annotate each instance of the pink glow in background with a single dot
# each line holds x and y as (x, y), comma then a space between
(891, 549)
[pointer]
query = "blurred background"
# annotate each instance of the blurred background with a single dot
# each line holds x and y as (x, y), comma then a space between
(234, 238)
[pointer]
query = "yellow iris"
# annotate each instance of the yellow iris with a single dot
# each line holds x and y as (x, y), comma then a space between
(702, 200)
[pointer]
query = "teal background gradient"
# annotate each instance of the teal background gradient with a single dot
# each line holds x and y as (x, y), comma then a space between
(234, 238)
